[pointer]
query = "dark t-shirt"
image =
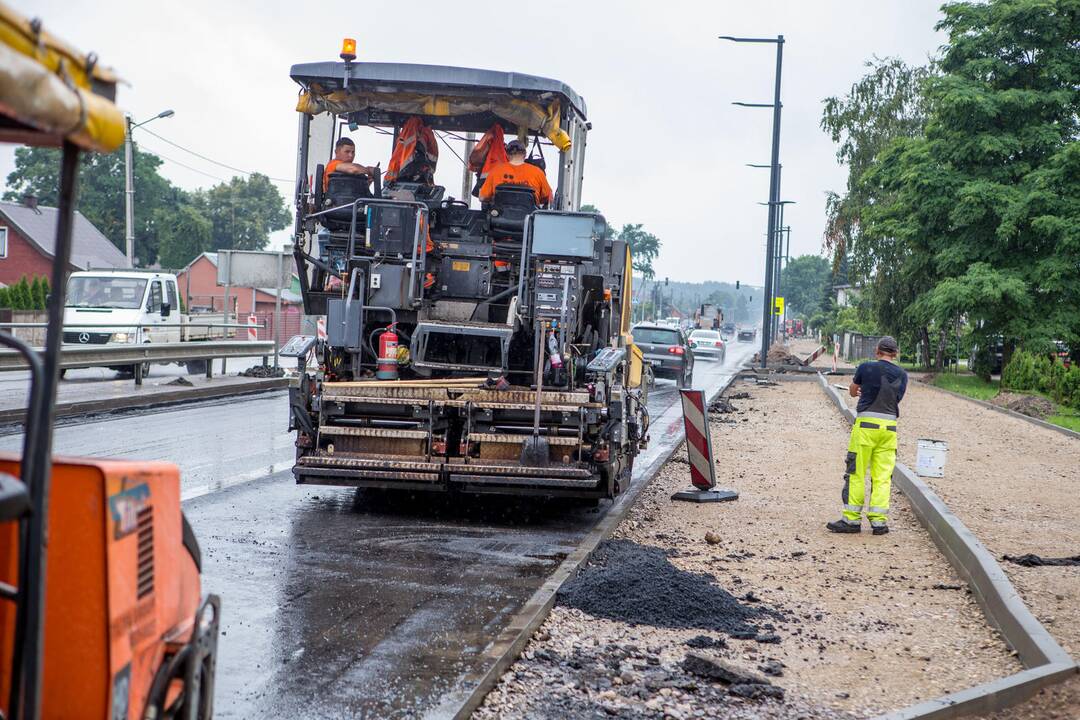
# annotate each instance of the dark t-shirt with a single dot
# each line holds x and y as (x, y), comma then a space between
(868, 378)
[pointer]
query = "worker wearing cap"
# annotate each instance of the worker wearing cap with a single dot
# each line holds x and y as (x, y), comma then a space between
(515, 171)
(880, 386)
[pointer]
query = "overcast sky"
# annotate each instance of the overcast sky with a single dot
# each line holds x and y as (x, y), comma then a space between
(667, 148)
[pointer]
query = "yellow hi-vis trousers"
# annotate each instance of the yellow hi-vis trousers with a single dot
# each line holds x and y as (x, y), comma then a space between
(872, 447)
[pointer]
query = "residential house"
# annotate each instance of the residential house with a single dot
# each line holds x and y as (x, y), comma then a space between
(28, 241)
(198, 286)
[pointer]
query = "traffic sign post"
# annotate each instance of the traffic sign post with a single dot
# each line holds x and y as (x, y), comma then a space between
(778, 306)
(699, 452)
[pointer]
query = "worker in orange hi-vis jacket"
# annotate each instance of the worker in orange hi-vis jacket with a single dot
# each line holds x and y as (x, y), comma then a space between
(516, 171)
(344, 155)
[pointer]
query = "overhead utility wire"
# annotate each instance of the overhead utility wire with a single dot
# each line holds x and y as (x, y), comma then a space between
(211, 160)
(188, 167)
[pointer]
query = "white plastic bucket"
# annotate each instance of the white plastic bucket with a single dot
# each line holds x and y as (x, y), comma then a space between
(930, 459)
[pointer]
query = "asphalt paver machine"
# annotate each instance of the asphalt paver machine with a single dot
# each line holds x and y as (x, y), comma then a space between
(476, 349)
(101, 611)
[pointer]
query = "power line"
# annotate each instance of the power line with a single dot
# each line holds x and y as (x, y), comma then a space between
(211, 160)
(188, 167)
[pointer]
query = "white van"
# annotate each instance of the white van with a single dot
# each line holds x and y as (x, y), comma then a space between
(121, 307)
(108, 307)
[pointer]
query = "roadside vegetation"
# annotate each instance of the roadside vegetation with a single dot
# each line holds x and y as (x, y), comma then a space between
(960, 217)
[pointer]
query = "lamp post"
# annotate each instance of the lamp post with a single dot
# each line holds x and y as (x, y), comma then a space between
(129, 183)
(774, 184)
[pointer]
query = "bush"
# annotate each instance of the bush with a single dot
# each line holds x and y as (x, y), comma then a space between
(1038, 373)
(1070, 387)
(983, 362)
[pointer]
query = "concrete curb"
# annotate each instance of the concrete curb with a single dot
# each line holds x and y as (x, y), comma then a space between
(1046, 661)
(512, 640)
(158, 399)
(1006, 411)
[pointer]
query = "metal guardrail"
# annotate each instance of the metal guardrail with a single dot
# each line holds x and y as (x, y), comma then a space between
(136, 355)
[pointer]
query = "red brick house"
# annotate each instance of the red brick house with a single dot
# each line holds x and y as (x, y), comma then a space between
(28, 240)
(198, 285)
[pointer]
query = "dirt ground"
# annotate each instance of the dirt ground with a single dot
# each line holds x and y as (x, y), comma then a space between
(1004, 468)
(847, 626)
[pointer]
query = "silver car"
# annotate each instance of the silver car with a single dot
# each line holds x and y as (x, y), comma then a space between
(708, 344)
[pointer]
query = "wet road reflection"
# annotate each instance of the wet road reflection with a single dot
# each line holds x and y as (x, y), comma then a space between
(339, 602)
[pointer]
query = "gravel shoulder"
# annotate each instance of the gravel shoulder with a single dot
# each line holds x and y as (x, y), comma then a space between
(845, 626)
(1002, 468)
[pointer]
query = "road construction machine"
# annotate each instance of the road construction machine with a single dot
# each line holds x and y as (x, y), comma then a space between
(474, 349)
(101, 608)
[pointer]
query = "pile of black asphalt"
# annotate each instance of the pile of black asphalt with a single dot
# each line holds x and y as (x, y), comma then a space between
(639, 585)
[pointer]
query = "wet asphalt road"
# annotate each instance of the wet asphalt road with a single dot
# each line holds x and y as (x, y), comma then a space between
(344, 603)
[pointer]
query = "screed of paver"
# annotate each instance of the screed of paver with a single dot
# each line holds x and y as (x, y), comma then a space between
(1017, 487)
(847, 626)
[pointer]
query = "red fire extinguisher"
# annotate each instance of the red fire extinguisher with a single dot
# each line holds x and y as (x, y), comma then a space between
(387, 368)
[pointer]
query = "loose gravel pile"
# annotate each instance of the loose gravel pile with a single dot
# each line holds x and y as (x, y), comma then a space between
(263, 371)
(794, 622)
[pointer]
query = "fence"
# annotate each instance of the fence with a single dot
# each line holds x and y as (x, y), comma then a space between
(290, 325)
(856, 346)
(34, 336)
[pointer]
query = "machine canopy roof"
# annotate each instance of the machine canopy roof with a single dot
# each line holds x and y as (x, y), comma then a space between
(448, 98)
(50, 92)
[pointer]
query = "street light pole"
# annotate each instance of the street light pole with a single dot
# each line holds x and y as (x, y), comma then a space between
(129, 183)
(774, 189)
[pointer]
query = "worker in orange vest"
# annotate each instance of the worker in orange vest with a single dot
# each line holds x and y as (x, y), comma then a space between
(516, 171)
(344, 154)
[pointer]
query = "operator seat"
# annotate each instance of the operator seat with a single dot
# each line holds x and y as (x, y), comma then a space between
(510, 206)
(344, 189)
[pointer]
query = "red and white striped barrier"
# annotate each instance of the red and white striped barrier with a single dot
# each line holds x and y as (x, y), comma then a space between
(253, 330)
(699, 451)
(320, 328)
(698, 442)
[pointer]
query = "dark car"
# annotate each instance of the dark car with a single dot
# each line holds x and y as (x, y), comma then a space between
(728, 329)
(747, 335)
(667, 350)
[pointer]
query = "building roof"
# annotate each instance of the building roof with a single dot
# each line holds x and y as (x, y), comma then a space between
(89, 248)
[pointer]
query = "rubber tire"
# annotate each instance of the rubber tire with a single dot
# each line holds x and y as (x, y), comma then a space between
(684, 381)
(63, 372)
(196, 367)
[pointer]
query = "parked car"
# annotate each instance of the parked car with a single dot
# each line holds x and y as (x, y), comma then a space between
(747, 335)
(667, 350)
(708, 344)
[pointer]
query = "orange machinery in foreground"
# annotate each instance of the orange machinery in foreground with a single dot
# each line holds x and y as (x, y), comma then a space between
(124, 630)
(100, 601)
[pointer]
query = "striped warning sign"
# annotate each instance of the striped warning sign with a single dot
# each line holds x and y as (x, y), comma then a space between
(698, 442)
(320, 328)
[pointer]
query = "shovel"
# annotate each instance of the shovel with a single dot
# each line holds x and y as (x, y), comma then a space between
(535, 450)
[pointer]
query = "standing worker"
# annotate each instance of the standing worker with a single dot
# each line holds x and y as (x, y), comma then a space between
(880, 386)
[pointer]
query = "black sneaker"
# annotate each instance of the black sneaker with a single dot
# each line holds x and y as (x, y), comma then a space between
(881, 529)
(843, 526)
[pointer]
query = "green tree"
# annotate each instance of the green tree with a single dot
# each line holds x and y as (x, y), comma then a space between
(644, 247)
(183, 233)
(243, 212)
(609, 232)
(803, 282)
(984, 202)
(888, 104)
(39, 291)
(101, 191)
